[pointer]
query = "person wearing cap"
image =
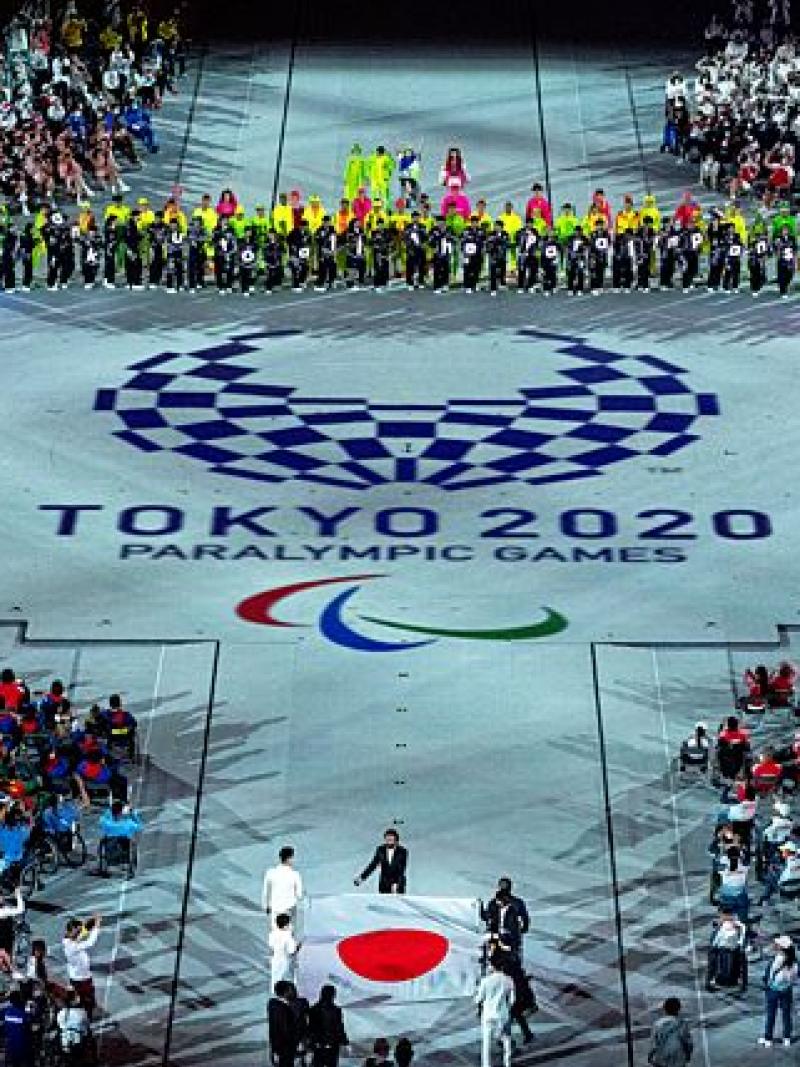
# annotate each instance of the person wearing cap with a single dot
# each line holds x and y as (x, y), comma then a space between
(415, 242)
(356, 173)
(327, 245)
(380, 168)
(780, 978)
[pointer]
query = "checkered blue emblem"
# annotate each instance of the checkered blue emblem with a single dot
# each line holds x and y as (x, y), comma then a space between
(213, 407)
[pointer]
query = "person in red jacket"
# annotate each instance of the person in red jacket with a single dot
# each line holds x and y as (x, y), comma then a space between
(767, 773)
(12, 690)
(687, 210)
(781, 684)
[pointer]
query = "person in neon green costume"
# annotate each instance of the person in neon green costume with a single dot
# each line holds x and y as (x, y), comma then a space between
(381, 168)
(356, 172)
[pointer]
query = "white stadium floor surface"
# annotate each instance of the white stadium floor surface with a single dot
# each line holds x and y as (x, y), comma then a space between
(625, 463)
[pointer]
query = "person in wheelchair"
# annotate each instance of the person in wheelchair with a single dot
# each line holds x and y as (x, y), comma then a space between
(119, 826)
(98, 769)
(727, 956)
(732, 893)
(52, 704)
(15, 832)
(120, 725)
(766, 773)
(733, 749)
(781, 685)
(741, 814)
(60, 818)
(696, 750)
(756, 680)
(9, 726)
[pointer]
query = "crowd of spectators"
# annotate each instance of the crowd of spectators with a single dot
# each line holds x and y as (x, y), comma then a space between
(738, 116)
(755, 849)
(58, 771)
(79, 85)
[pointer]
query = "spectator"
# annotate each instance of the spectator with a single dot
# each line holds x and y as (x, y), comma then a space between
(780, 978)
(671, 1044)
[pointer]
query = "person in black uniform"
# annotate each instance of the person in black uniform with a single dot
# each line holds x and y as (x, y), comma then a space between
(273, 261)
(158, 250)
(691, 241)
(356, 255)
(326, 255)
(90, 256)
(441, 244)
(133, 252)
(175, 264)
(716, 252)
(758, 258)
(392, 859)
(225, 249)
(577, 250)
(248, 261)
(550, 259)
(622, 261)
(472, 254)
(734, 253)
(669, 243)
(196, 259)
(299, 245)
(8, 260)
(599, 247)
(27, 246)
(644, 257)
(415, 238)
(51, 235)
(786, 258)
(326, 1025)
(527, 258)
(66, 258)
(381, 246)
(110, 253)
(497, 253)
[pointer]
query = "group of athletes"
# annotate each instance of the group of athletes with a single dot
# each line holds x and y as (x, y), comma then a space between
(636, 250)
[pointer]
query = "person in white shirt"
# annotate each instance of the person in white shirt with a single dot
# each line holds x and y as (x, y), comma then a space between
(73, 1024)
(284, 950)
(494, 999)
(9, 912)
(283, 887)
(79, 937)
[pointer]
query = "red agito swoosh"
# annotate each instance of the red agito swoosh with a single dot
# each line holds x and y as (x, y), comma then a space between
(258, 608)
(393, 955)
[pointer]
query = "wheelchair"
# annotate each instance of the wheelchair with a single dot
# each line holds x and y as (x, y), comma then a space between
(123, 743)
(727, 968)
(693, 760)
(117, 852)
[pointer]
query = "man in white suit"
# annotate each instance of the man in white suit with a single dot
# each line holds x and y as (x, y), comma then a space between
(283, 887)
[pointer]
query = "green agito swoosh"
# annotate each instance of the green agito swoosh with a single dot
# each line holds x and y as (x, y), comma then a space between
(553, 624)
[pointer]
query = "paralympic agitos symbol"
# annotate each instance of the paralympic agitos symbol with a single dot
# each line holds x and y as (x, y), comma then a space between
(332, 625)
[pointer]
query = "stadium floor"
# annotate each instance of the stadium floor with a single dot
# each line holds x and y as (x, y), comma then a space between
(668, 555)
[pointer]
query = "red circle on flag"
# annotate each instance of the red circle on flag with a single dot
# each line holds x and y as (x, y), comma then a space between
(393, 955)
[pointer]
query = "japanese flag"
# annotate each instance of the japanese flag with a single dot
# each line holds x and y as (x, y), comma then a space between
(390, 948)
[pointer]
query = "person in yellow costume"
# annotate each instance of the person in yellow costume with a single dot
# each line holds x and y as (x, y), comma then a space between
(109, 39)
(172, 211)
(381, 167)
(72, 31)
(377, 212)
(168, 30)
(512, 224)
(649, 215)
(206, 213)
(283, 216)
(146, 214)
(239, 222)
(356, 172)
(343, 217)
(628, 218)
(485, 220)
(314, 212)
(85, 216)
(734, 216)
(137, 27)
(117, 210)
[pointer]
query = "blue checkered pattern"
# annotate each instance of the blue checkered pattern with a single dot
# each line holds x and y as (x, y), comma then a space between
(210, 406)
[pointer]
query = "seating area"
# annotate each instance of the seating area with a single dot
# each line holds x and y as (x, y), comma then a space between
(64, 788)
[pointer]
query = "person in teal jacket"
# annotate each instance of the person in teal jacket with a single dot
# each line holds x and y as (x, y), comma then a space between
(356, 173)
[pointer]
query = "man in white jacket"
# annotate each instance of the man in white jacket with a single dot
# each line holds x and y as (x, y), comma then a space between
(494, 999)
(283, 887)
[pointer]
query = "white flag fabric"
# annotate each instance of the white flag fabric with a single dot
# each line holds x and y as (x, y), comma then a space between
(390, 948)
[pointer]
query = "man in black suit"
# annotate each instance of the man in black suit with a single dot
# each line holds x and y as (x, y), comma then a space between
(283, 1028)
(392, 858)
(507, 916)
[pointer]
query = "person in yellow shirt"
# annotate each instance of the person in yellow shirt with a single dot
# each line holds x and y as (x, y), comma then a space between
(628, 218)
(86, 217)
(260, 224)
(117, 210)
(146, 214)
(343, 217)
(283, 216)
(109, 39)
(649, 214)
(168, 30)
(733, 215)
(206, 213)
(172, 211)
(376, 212)
(72, 32)
(314, 212)
(512, 224)
(539, 222)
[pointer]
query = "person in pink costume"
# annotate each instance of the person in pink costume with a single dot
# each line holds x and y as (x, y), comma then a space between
(453, 168)
(361, 205)
(226, 207)
(455, 199)
(538, 202)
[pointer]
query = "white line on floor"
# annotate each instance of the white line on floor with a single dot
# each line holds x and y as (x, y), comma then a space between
(701, 1012)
